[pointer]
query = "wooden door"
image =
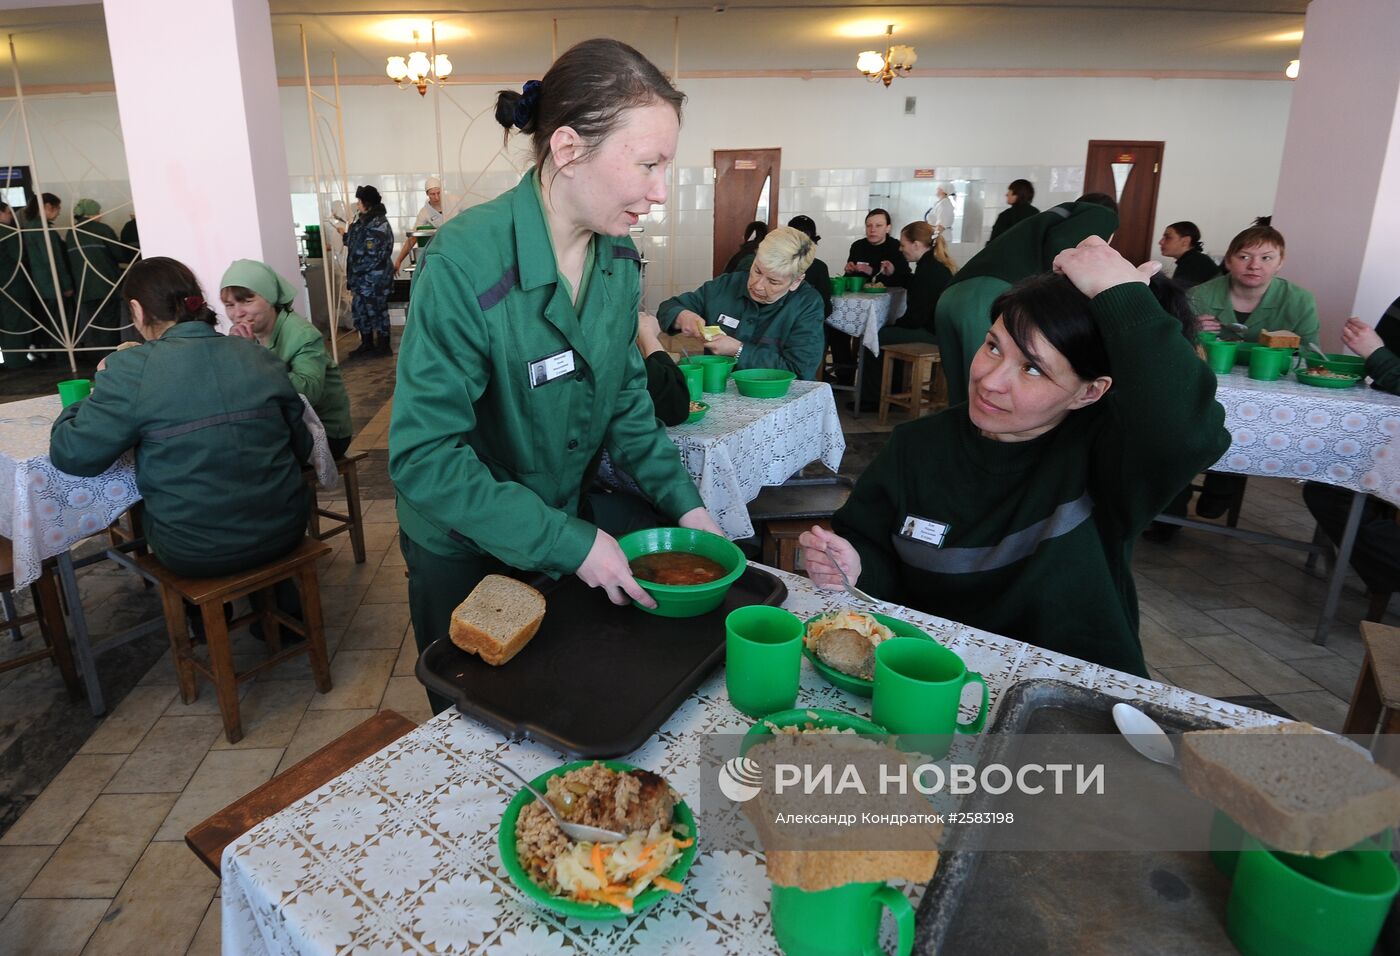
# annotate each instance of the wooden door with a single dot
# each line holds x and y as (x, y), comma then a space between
(743, 178)
(1129, 172)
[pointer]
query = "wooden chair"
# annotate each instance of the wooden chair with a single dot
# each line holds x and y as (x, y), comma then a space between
(781, 513)
(923, 360)
(351, 521)
(209, 838)
(1375, 703)
(48, 614)
(209, 595)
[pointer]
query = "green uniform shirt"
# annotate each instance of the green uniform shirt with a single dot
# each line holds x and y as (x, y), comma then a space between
(37, 259)
(484, 463)
(219, 444)
(1285, 308)
(786, 334)
(1039, 534)
(300, 346)
(92, 260)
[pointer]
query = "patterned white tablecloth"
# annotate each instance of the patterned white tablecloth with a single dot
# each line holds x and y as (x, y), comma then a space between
(44, 511)
(864, 314)
(398, 854)
(1285, 429)
(743, 444)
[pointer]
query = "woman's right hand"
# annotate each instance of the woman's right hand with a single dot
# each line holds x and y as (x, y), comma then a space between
(241, 330)
(1360, 337)
(1208, 323)
(606, 568)
(819, 548)
(691, 323)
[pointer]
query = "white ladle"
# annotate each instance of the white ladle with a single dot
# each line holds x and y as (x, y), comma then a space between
(1145, 735)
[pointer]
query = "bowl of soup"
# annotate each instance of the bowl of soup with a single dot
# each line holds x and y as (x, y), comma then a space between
(687, 572)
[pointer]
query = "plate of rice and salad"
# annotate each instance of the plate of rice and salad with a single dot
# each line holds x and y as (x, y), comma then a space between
(599, 881)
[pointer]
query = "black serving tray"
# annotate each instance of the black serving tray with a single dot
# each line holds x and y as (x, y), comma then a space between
(986, 902)
(597, 679)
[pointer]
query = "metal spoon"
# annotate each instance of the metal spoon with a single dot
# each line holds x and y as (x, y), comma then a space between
(1239, 328)
(574, 831)
(1314, 347)
(1145, 735)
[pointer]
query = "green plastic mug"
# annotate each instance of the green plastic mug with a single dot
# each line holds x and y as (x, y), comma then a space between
(1221, 355)
(74, 390)
(1266, 364)
(763, 658)
(838, 285)
(694, 379)
(1227, 839)
(716, 370)
(1305, 906)
(1204, 337)
(855, 283)
(842, 921)
(918, 687)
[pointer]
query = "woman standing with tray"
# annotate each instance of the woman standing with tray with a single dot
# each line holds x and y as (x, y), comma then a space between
(518, 363)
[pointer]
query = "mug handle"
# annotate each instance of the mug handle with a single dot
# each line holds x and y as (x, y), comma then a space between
(903, 912)
(975, 727)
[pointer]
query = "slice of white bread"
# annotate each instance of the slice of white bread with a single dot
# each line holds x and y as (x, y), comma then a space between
(497, 619)
(1292, 786)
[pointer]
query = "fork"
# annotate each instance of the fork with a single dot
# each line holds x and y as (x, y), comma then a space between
(851, 589)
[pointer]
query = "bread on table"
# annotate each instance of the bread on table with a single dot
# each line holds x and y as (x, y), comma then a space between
(1293, 787)
(815, 870)
(497, 619)
(1280, 340)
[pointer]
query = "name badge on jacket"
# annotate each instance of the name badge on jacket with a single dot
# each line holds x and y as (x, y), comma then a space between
(545, 370)
(924, 529)
(728, 321)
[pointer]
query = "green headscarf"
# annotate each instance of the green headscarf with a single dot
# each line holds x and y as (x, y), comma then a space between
(86, 208)
(254, 275)
(1030, 247)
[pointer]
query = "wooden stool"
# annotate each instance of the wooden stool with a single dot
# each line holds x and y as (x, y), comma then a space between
(48, 614)
(211, 594)
(780, 542)
(923, 359)
(1375, 703)
(209, 838)
(351, 521)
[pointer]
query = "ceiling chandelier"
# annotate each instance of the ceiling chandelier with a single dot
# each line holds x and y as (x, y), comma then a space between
(418, 69)
(897, 60)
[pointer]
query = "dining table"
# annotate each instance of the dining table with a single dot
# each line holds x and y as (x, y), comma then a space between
(45, 513)
(862, 315)
(743, 444)
(1346, 437)
(399, 853)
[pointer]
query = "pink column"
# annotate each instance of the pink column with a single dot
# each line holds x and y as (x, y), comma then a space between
(1338, 201)
(202, 123)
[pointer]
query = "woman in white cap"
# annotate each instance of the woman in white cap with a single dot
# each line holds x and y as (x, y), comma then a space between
(431, 216)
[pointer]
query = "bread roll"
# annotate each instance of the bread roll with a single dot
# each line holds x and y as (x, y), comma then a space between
(497, 619)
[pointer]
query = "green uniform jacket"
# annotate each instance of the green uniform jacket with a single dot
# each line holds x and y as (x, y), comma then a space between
(92, 259)
(297, 343)
(925, 285)
(786, 334)
(219, 445)
(1383, 366)
(1011, 215)
(1039, 534)
(37, 259)
(482, 462)
(1285, 308)
(16, 302)
(1193, 268)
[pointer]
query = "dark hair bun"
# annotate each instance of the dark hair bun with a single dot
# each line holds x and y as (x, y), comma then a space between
(505, 107)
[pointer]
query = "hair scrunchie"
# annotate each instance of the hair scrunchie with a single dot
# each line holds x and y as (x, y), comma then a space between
(193, 304)
(525, 106)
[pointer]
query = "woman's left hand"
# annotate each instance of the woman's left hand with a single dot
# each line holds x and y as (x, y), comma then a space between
(699, 519)
(1360, 337)
(1094, 266)
(723, 345)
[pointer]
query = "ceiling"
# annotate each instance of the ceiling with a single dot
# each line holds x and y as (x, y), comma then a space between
(58, 45)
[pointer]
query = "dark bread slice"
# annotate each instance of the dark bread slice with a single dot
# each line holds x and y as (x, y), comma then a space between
(1292, 786)
(814, 870)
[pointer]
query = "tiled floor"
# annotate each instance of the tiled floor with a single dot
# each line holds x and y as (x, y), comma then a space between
(96, 864)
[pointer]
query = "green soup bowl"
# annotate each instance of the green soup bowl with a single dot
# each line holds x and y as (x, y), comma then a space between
(685, 600)
(763, 382)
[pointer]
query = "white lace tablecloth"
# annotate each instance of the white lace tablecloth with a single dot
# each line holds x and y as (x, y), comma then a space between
(743, 444)
(398, 854)
(1285, 429)
(864, 314)
(44, 511)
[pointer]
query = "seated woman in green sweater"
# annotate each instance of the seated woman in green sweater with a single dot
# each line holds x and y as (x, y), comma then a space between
(768, 316)
(1252, 294)
(1016, 512)
(258, 302)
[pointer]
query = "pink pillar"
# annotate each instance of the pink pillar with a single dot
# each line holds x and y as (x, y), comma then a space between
(202, 124)
(1338, 201)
